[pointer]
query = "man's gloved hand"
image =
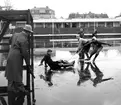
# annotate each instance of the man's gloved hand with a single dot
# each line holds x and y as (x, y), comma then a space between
(77, 51)
(40, 64)
(29, 68)
(46, 65)
(109, 44)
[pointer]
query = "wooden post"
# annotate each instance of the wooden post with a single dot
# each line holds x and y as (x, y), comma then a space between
(53, 45)
(27, 72)
(32, 65)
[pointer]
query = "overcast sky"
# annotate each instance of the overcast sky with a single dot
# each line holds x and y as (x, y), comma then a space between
(64, 7)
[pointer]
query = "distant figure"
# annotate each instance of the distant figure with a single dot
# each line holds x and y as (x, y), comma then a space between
(94, 34)
(88, 44)
(14, 68)
(81, 44)
(96, 46)
(54, 65)
(81, 33)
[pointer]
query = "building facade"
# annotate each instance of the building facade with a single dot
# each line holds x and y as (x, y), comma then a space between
(42, 13)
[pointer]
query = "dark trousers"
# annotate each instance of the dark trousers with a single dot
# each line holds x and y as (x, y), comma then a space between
(16, 93)
(2, 101)
(15, 98)
(81, 55)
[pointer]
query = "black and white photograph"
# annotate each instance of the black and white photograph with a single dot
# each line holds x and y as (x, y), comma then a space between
(60, 52)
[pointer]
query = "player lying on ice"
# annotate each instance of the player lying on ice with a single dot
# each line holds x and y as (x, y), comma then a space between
(55, 65)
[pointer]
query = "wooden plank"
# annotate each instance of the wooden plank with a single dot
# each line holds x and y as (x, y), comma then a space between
(15, 15)
(3, 90)
(4, 44)
(2, 68)
(14, 12)
(4, 30)
(4, 51)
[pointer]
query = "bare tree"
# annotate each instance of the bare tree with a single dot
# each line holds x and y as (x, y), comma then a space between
(8, 4)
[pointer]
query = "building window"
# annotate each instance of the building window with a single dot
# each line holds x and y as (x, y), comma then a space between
(91, 24)
(42, 11)
(84, 24)
(32, 12)
(75, 25)
(47, 11)
(48, 25)
(38, 25)
(36, 11)
(58, 25)
(101, 24)
(21, 24)
(116, 24)
(67, 25)
(109, 24)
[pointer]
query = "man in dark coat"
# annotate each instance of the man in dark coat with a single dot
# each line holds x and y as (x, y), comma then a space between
(14, 68)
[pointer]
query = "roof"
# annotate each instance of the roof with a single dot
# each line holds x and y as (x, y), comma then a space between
(15, 15)
(41, 8)
(78, 20)
(118, 17)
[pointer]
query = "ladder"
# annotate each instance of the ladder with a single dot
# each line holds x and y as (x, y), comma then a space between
(7, 18)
